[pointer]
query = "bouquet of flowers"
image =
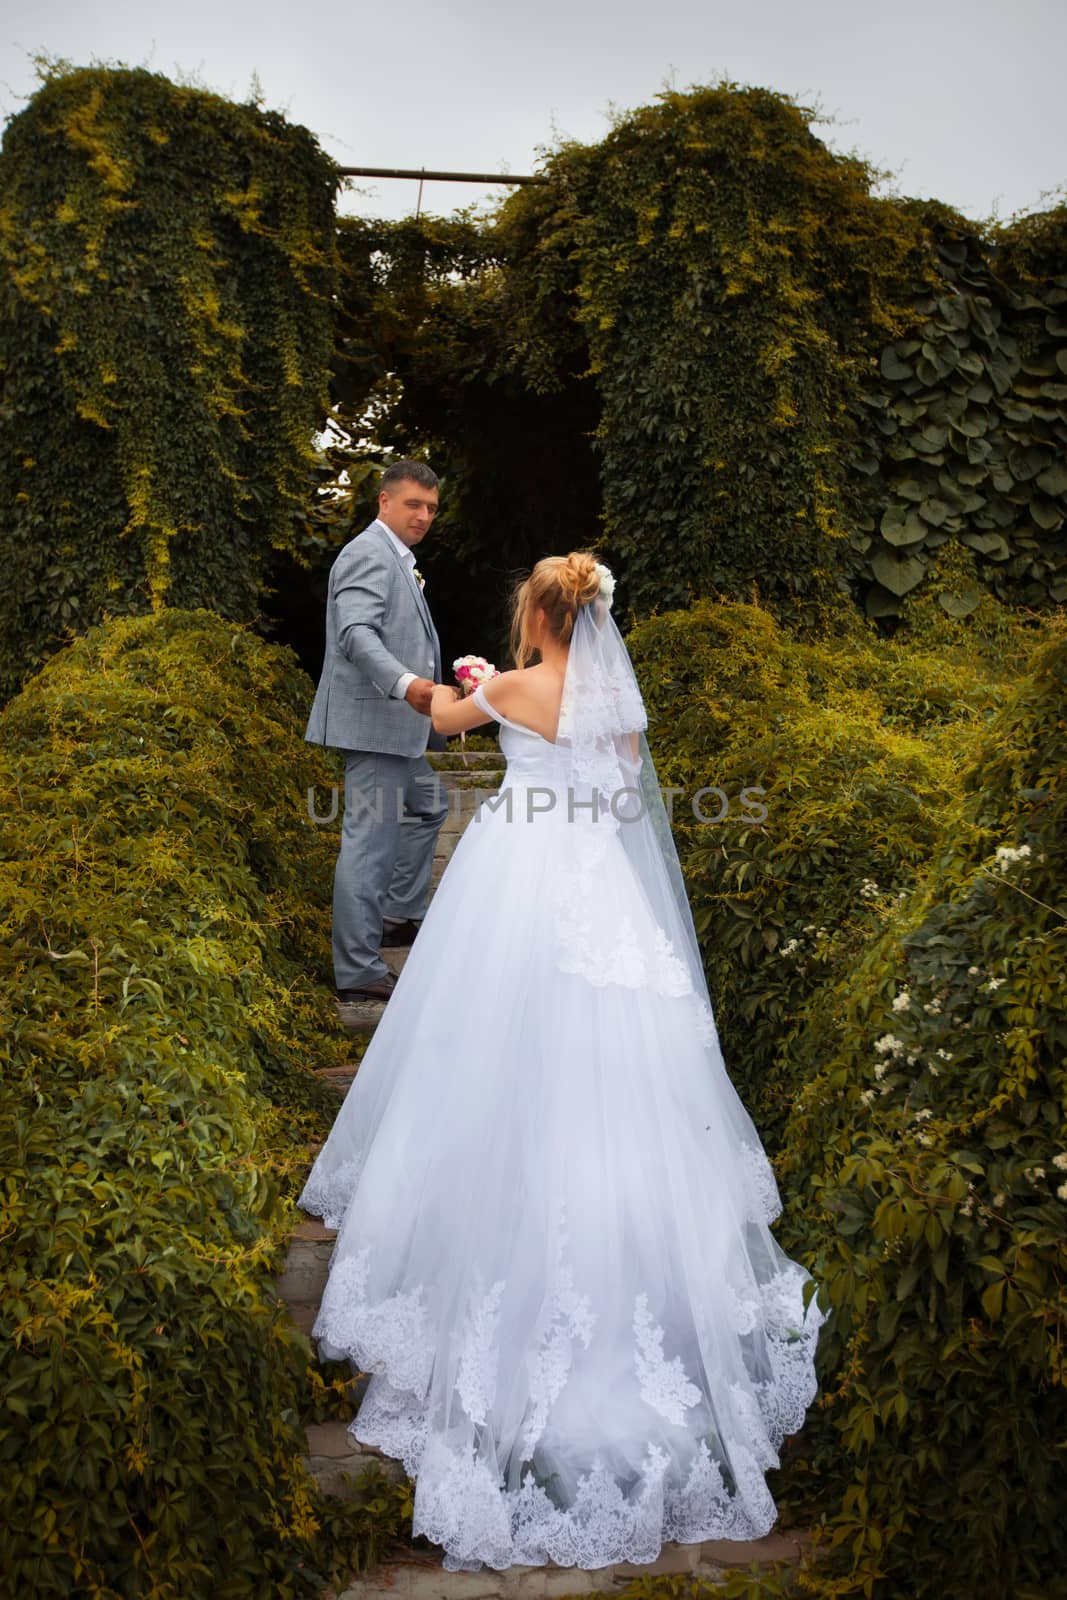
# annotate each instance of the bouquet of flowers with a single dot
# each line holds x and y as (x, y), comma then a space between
(470, 671)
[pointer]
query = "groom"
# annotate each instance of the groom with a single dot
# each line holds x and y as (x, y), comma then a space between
(382, 660)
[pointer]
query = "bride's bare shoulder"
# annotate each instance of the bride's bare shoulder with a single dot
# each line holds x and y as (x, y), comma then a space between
(524, 686)
(502, 685)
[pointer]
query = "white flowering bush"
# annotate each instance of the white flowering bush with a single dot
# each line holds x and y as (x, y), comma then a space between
(924, 1165)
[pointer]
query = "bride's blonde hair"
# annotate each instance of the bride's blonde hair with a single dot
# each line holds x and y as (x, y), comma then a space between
(560, 585)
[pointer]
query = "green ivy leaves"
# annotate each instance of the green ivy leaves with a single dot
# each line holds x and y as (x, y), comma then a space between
(165, 908)
(926, 1150)
(975, 431)
(166, 329)
(792, 389)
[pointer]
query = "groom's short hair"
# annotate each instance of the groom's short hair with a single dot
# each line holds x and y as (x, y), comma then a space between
(413, 471)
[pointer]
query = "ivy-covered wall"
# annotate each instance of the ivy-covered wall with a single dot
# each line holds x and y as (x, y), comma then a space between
(966, 423)
(705, 342)
(702, 344)
(166, 330)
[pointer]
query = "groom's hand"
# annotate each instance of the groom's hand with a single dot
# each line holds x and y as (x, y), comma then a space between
(419, 693)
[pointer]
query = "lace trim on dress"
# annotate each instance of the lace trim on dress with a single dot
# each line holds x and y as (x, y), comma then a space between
(462, 1502)
(761, 1186)
(664, 1384)
(391, 1337)
(565, 1316)
(327, 1192)
(476, 1379)
(615, 953)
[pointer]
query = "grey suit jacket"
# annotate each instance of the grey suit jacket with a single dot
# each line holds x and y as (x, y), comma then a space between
(377, 626)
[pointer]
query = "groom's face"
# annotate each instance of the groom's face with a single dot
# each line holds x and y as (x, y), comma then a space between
(408, 510)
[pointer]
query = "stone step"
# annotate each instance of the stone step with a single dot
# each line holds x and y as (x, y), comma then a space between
(478, 766)
(334, 1458)
(302, 1314)
(463, 801)
(340, 1077)
(461, 784)
(307, 1264)
(470, 777)
(360, 1017)
(313, 1230)
(420, 1576)
(460, 760)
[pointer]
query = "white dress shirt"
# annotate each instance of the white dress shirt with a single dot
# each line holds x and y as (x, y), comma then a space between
(407, 553)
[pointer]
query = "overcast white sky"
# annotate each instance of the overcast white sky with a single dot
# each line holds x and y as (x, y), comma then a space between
(962, 99)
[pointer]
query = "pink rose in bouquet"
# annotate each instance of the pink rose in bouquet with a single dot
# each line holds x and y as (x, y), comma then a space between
(470, 671)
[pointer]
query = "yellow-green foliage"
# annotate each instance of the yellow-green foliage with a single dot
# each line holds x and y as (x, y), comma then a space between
(165, 924)
(851, 745)
(786, 380)
(925, 1169)
(909, 1064)
(732, 273)
(166, 306)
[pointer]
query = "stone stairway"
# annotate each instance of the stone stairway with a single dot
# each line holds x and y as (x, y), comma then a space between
(335, 1458)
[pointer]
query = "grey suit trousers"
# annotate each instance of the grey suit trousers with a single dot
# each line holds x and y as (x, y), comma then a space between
(394, 808)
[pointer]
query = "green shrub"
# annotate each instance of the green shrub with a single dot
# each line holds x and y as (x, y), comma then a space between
(704, 338)
(925, 1170)
(852, 745)
(166, 330)
(165, 924)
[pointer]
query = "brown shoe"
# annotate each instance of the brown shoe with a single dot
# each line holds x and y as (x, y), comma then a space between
(399, 933)
(370, 991)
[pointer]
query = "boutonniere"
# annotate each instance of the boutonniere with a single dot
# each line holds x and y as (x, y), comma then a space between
(419, 577)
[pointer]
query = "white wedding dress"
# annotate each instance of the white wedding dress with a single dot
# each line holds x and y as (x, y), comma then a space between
(553, 1249)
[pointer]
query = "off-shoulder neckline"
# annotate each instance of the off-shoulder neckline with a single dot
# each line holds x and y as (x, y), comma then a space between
(510, 722)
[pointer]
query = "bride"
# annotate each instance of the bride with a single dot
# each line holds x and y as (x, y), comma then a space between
(553, 1252)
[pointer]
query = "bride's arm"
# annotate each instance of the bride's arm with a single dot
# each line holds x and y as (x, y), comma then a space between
(451, 712)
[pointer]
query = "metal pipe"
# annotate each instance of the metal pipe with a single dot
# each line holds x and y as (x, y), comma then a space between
(441, 177)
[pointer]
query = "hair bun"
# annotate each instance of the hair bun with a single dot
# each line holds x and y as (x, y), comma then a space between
(558, 586)
(579, 580)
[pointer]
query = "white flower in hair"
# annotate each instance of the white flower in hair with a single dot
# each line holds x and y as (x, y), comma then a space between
(607, 582)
